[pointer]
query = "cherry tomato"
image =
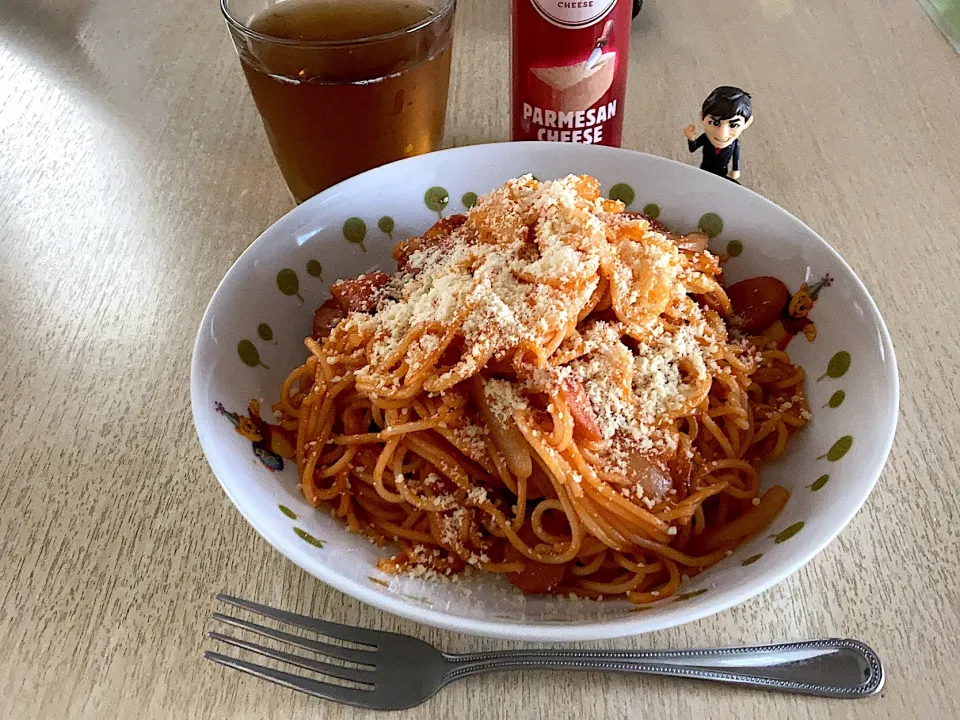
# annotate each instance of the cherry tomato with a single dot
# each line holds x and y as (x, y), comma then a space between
(359, 294)
(535, 578)
(326, 317)
(758, 302)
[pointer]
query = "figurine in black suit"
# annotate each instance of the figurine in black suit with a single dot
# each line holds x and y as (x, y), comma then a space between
(724, 115)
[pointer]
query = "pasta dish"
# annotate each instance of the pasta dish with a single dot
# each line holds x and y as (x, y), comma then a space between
(550, 388)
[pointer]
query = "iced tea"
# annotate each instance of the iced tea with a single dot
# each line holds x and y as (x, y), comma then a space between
(346, 85)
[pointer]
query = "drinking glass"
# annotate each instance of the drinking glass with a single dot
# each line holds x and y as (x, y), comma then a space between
(343, 86)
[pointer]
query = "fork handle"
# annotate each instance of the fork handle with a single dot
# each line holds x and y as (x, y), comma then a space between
(835, 668)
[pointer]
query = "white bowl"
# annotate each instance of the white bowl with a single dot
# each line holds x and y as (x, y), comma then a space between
(266, 302)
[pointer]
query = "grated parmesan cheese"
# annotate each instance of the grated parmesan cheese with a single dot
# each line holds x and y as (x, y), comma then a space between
(503, 398)
(477, 495)
(490, 282)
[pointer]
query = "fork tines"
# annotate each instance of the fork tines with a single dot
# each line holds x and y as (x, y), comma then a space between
(361, 671)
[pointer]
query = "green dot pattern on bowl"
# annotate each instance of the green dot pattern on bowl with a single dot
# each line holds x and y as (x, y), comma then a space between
(819, 482)
(840, 448)
(436, 198)
(711, 224)
(307, 537)
(692, 594)
(288, 283)
(787, 533)
(249, 355)
(288, 512)
(386, 224)
(314, 268)
(734, 248)
(622, 192)
(355, 230)
(469, 199)
(265, 332)
(838, 366)
(752, 559)
(836, 400)
(651, 210)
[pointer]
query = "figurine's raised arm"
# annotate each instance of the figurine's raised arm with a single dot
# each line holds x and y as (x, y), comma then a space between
(693, 142)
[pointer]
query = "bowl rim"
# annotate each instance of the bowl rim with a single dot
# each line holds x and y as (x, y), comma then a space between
(566, 632)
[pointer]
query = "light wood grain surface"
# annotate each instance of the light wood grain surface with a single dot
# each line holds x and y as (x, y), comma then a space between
(133, 171)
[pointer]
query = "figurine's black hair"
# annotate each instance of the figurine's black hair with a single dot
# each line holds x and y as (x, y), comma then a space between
(726, 102)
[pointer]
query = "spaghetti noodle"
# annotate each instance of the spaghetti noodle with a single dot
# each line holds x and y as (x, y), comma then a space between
(549, 388)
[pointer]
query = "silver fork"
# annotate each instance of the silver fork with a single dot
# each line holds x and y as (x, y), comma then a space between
(393, 672)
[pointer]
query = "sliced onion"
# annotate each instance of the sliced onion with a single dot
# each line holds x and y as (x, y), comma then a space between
(695, 241)
(655, 481)
(506, 436)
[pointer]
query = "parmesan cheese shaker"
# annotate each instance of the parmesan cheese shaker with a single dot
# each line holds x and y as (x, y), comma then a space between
(569, 63)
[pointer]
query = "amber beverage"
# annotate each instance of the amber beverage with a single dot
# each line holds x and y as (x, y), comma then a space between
(343, 86)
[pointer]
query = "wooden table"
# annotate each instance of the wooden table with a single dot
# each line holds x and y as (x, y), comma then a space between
(133, 171)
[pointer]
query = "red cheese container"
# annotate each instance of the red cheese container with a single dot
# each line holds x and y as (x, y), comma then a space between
(569, 65)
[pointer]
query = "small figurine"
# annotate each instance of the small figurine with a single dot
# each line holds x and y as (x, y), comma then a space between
(724, 115)
(793, 319)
